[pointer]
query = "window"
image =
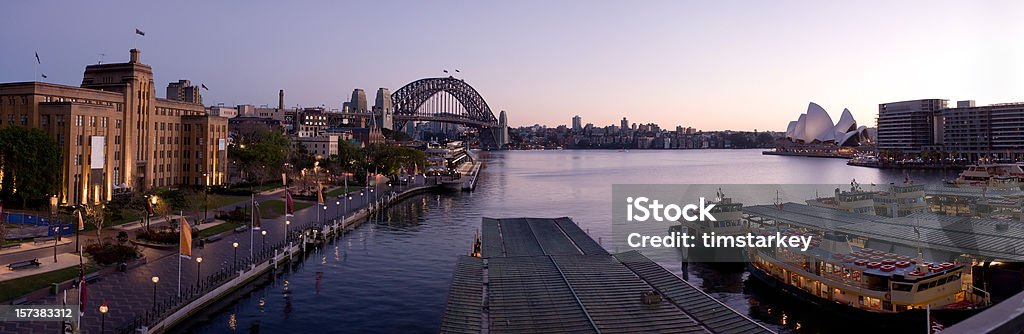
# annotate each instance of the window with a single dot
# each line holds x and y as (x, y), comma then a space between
(78, 120)
(24, 119)
(44, 120)
(92, 121)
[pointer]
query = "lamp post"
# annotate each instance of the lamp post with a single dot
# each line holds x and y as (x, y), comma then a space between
(155, 280)
(56, 237)
(206, 199)
(337, 207)
(235, 245)
(287, 228)
(103, 317)
(199, 269)
(263, 240)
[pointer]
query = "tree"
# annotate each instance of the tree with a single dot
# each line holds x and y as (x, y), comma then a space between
(260, 153)
(29, 163)
(389, 159)
(94, 215)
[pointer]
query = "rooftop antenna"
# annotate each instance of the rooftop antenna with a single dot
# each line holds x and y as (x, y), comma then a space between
(101, 58)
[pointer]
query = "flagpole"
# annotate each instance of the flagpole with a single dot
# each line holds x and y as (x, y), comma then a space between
(252, 224)
(181, 226)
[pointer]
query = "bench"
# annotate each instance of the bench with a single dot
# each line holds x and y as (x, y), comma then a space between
(213, 238)
(43, 239)
(18, 245)
(24, 264)
(92, 277)
(241, 228)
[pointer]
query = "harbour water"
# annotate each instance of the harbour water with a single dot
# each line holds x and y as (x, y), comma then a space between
(392, 275)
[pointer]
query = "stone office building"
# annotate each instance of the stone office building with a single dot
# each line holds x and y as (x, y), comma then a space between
(115, 135)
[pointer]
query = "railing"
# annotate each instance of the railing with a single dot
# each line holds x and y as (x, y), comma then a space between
(169, 305)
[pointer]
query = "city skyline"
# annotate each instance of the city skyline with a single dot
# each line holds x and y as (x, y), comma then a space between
(689, 64)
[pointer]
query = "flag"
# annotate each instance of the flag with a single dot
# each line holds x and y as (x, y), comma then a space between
(81, 283)
(139, 32)
(186, 239)
(257, 224)
(149, 207)
(37, 59)
(319, 193)
(81, 223)
(204, 86)
(289, 205)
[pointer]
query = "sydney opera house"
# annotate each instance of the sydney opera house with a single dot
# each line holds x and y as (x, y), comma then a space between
(814, 133)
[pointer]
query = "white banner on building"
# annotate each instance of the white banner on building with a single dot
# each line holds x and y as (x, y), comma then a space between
(221, 144)
(98, 152)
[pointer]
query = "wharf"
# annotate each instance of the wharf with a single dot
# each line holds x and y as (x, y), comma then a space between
(545, 275)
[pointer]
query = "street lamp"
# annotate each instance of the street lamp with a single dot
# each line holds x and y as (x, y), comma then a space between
(263, 241)
(199, 268)
(103, 317)
(56, 237)
(235, 245)
(337, 206)
(206, 200)
(155, 280)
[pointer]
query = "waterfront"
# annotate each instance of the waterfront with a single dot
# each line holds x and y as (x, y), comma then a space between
(392, 275)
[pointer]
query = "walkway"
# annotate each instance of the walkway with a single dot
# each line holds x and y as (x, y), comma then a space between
(131, 294)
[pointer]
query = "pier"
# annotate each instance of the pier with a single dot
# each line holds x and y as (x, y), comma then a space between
(545, 275)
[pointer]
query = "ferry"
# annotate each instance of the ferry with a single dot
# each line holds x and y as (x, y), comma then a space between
(728, 221)
(867, 284)
(997, 176)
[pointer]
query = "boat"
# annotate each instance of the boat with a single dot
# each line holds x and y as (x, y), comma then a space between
(997, 176)
(866, 284)
(728, 221)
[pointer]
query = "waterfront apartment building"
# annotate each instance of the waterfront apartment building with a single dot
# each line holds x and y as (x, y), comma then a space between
(115, 135)
(993, 131)
(577, 123)
(910, 126)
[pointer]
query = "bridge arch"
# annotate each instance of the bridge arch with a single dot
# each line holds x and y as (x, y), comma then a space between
(407, 101)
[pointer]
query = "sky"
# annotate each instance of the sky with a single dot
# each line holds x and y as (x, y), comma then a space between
(712, 65)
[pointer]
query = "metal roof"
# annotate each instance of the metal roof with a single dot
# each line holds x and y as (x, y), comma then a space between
(946, 233)
(462, 312)
(543, 275)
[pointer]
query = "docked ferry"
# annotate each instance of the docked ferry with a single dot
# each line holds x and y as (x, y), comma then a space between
(997, 176)
(864, 283)
(728, 221)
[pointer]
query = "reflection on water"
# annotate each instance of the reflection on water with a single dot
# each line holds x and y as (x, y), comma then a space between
(392, 274)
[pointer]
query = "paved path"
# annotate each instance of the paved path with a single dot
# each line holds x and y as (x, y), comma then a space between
(131, 294)
(63, 261)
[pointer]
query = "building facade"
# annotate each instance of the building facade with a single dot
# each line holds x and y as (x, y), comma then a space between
(183, 90)
(320, 146)
(115, 135)
(993, 131)
(910, 126)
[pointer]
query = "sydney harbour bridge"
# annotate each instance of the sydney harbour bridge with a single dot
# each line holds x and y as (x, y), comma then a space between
(443, 99)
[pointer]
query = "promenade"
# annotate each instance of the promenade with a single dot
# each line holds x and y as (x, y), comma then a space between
(131, 295)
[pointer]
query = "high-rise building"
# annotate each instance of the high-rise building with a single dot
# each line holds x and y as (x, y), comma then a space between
(910, 126)
(115, 135)
(993, 131)
(184, 91)
(624, 125)
(382, 109)
(577, 123)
